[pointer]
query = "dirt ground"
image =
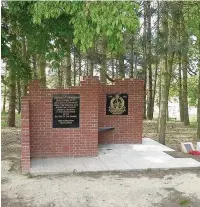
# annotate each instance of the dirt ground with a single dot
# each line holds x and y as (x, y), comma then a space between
(117, 189)
(156, 188)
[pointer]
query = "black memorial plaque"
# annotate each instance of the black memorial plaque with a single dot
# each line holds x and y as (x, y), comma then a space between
(117, 104)
(66, 110)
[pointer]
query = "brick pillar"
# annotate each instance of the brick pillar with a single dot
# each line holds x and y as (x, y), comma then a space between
(89, 113)
(25, 136)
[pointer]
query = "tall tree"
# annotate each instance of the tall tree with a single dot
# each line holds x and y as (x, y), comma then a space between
(131, 58)
(103, 65)
(74, 67)
(12, 89)
(149, 63)
(179, 56)
(79, 67)
(156, 54)
(4, 92)
(112, 66)
(10, 47)
(19, 96)
(67, 71)
(185, 63)
(42, 71)
(145, 56)
(121, 66)
(169, 34)
(191, 11)
(181, 104)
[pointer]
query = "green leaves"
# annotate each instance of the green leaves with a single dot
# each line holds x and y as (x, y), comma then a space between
(75, 41)
(98, 29)
(91, 20)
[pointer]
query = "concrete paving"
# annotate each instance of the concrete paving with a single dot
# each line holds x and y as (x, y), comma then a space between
(148, 155)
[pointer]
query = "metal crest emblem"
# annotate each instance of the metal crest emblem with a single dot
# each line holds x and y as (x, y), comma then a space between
(117, 105)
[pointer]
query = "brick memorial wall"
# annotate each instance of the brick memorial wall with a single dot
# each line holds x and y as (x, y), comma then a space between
(65, 122)
(128, 128)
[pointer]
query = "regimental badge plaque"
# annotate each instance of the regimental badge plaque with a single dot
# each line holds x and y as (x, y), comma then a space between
(117, 104)
(66, 110)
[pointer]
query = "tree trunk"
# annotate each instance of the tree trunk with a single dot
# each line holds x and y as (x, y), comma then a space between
(19, 96)
(165, 78)
(103, 62)
(135, 68)
(87, 67)
(155, 85)
(167, 111)
(117, 68)
(163, 106)
(157, 54)
(113, 69)
(181, 104)
(42, 72)
(91, 61)
(91, 68)
(67, 72)
(4, 94)
(74, 68)
(145, 95)
(131, 60)
(145, 57)
(169, 35)
(4, 99)
(165, 84)
(12, 98)
(179, 54)
(185, 42)
(25, 88)
(121, 66)
(12, 91)
(79, 68)
(159, 100)
(34, 58)
(25, 80)
(60, 75)
(185, 92)
(149, 65)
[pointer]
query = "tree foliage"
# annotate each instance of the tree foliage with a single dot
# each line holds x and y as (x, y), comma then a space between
(93, 20)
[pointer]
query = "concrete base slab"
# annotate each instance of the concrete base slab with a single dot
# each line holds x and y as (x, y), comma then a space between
(111, 157)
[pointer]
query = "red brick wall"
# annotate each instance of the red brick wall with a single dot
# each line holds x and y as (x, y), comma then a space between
(39, 139)
(25, 134)
(128, 128)
(46, 141)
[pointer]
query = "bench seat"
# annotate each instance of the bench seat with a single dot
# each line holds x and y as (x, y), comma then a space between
(102, 129)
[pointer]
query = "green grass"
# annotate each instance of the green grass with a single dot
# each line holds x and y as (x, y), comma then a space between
(193, 118)
(3, 123)
(184, 202)
(4, 117)
(18, 116)
(4, 120)
(193, 124)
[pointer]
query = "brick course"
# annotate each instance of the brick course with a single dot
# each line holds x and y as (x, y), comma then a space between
(39, 139)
